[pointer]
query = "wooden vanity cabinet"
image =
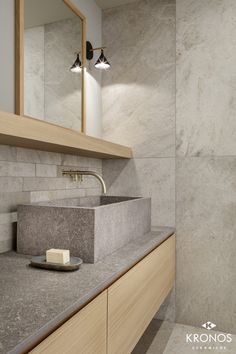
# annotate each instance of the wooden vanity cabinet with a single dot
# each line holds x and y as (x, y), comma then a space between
(115, 320)
(135, 298)
(84, 333)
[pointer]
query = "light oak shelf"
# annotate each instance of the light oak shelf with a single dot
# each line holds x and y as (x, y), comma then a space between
(36, 134)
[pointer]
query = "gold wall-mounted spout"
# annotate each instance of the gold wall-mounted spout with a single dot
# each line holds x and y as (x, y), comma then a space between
(78, 174)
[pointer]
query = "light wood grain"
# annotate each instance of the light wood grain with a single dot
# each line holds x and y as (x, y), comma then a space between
(84, 333)
(35, 134)
(134, 299)
(19, 59)
(75, 9)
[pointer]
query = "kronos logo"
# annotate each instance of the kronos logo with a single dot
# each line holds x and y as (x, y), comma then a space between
(219, 338)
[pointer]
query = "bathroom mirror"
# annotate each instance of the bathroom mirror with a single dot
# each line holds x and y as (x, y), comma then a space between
(50, 36)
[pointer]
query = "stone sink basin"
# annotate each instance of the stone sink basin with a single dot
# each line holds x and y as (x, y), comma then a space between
(90, 227)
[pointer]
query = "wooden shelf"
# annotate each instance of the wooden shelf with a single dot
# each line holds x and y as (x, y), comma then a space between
(37, 134)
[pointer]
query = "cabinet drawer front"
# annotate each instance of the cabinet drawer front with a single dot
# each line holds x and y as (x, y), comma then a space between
(134, 299)
(84, 333)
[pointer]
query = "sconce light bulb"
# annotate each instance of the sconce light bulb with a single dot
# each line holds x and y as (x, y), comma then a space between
(75, 69)
(77, 66)
(102, 62)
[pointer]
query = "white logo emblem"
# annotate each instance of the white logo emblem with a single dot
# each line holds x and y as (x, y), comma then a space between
(208, 340)
(209, 325)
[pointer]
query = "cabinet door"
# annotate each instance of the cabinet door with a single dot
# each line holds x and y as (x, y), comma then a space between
(84, 333)
(134, 299)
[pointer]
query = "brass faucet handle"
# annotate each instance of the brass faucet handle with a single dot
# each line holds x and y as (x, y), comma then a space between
(75, 177)
(78, 175)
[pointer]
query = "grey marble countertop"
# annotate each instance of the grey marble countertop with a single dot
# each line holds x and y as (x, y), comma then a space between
(33, 302)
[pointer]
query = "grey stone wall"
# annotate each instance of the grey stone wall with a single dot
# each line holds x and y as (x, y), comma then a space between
(139, 107)
(52, 91)
(139, 102)
(33, 176)
(206, 163)
(139, 110)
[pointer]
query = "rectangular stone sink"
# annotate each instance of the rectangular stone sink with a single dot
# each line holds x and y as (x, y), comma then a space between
(90, 227)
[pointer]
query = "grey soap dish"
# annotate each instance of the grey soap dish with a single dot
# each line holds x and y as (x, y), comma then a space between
(40, 262)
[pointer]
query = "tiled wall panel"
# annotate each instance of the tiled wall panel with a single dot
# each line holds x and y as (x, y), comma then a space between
(34, 176)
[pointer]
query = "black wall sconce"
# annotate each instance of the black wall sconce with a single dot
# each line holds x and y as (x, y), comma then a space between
(77, 65)
(102, 62)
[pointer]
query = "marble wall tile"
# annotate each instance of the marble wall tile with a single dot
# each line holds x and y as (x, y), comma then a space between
(5, 231)
(48, 183)
(63, 90)
(206, 77)
(139, 105)
(205, 135)
(6, 245)
(139, 111)
(7, 153)
(70, 161)
(37, 156)
(148, 177)
(11, 184)
(9, 201)
(34, 72)
(73, 160)
(49, 50)
(139, 92)
(93, 191)
(7, 218)
(43, 170)
(95, 164)
(206, 243)
(46, 196)
(16, 169)
(29, 176)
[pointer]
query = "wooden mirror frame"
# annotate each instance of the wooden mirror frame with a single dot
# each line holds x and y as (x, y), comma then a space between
(19, 59)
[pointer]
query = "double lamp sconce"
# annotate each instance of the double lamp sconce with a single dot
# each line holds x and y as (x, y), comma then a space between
(101, 63)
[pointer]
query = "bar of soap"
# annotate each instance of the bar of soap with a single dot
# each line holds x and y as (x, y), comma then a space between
(57, 256)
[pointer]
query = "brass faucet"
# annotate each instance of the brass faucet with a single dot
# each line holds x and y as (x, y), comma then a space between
(76, 174)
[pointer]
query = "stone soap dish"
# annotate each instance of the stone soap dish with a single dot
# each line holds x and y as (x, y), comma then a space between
(40, 262)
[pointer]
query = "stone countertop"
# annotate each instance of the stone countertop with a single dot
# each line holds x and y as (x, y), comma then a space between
(34, 302)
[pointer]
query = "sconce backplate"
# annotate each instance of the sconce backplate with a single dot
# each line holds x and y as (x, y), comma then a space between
(89, 52)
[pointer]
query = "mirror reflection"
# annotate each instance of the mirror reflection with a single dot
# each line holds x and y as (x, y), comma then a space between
(52, 43)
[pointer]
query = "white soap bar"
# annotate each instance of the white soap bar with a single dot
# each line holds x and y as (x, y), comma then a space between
(58, 256)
